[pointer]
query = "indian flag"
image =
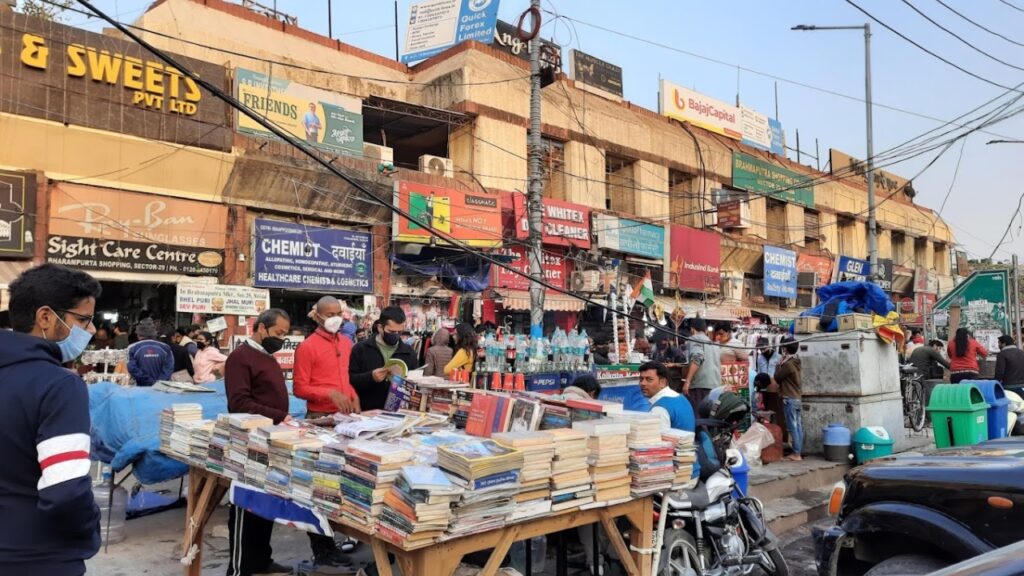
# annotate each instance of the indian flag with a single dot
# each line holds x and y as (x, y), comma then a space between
(644, 291)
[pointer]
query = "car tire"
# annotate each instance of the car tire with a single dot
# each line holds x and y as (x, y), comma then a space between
(907, 565)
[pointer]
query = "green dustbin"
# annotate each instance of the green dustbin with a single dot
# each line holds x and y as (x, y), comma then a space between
(959, 415)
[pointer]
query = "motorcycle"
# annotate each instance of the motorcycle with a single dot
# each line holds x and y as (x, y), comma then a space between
(713, 530)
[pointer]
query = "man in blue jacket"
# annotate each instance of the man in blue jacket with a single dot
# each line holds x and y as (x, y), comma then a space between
(148, 359)
(50, 520)
(672, 407)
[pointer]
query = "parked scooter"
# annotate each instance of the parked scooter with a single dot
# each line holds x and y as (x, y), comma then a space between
(713, 530)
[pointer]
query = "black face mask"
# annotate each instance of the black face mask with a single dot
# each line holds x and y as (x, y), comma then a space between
(200, 345)
(390, 338)
(272, 344)
(768, 354)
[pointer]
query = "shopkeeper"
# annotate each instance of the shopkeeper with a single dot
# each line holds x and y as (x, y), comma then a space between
(255, 385)
(366, 367)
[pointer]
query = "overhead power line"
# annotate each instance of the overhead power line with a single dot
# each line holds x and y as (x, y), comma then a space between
(960, 38)
(990, 31)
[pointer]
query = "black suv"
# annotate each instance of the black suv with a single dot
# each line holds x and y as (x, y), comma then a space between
(915, 514)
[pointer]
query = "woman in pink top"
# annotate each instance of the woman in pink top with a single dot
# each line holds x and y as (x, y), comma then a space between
(964, 352)
(208, 362)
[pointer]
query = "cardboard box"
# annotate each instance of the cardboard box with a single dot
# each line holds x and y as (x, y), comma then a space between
(849, 322)
(806, 324)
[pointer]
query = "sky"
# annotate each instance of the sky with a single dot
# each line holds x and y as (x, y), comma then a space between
(727, 47)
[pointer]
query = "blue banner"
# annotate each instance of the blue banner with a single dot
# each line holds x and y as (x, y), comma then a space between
(436, 25)
(630, 236)
(325, 260)
(778, 146)
(779, 272)
(852, 270)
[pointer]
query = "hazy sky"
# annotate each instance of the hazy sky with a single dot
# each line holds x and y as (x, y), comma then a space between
(756, 36)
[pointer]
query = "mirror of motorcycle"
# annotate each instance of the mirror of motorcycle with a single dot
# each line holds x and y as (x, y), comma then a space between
(732, 457)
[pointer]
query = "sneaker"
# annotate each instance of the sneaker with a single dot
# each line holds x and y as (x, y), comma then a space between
(333, 562)
(274, 568)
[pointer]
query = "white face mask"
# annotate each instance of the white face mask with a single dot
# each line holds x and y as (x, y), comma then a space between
(333, 324)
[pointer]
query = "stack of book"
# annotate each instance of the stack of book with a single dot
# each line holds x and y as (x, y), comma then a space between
(534, 497)
(607, 457)
(236, 454)
(493, 413)
(462, 404)
(371, 467)
(327, 479)
(199, 433)
(489, 475)
(684, 457)
(417, 509)
(652, 468)
(174, 435)
(220, 437)
(591, 409)
(305, 452)
(571, 485)
(644, 427)
(556, 414)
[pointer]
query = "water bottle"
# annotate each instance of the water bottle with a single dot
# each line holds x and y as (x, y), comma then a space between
(116, 510)
(588, 363)
(522, 351)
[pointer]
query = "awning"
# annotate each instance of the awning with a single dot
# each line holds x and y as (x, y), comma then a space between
(777, 313)
(520, 300)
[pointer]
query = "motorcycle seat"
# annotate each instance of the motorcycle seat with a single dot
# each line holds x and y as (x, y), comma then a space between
(696, 499)
(908, 369)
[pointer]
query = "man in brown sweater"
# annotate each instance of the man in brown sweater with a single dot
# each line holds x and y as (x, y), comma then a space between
(255, 384)
(790, 380)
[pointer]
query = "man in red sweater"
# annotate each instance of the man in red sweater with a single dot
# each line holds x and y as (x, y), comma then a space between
(321, 365)
(321, 379)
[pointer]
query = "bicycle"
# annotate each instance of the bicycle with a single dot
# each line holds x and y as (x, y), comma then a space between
(912, 389)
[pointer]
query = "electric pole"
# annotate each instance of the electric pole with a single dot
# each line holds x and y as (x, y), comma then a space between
(535, 202)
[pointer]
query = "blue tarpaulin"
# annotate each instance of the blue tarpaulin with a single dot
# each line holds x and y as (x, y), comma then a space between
(456, 270)
(846, 298)
(126, 426)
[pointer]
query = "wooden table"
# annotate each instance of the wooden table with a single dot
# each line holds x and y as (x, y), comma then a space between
(206, 489)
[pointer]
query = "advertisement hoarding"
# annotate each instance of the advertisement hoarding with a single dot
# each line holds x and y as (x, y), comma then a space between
(557, 268)
(695, 258)
(821, 266)
(203, 298)
(630, 236)
(301, 257)
(473, 219)
(597, 73)
(564, 223)
(436, 25)
(325, 120)
(700, 110)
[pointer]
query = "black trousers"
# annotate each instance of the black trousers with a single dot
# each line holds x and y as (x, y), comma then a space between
(249, 548)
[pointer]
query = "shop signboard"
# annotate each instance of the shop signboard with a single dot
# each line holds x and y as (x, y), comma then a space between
(821, 266)
(302, 257)
(734, 214)
(506, 39)
(17, 214)
(756, 175)
(982, 299)
(221, 299)
(557, 268)
(845, 166)
(596, 73)
(630, 236)
(436, 25)
(779, 272)
(884, 274)
(689, 106)
(564, 223)
(80, 78)
(760, 131)
(852, 270)
(103, 229)
(325, 120)
(694, 260)
(473, 219)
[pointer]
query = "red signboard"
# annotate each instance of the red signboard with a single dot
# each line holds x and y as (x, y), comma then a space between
(565, 223)
(557, 269)
(820, 265)
(695, 257)
(474, 219)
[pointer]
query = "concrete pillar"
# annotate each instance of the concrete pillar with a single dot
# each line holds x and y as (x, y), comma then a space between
(794, 225)
(885, 244)
(758, 217)
(381, 264)
(496, 168)
(586, 186)
(829, 231)
(681, 202)
(651, 195)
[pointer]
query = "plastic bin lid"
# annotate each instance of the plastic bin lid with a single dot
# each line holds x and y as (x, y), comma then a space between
(872, 435)
(957, 398)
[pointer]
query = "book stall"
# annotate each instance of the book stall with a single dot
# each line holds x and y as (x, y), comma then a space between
(449, 471)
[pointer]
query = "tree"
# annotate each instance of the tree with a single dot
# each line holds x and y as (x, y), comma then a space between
(46, 9)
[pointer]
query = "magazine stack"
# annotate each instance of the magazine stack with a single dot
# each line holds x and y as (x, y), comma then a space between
(371, 467)
(489, 474)
(417, 509)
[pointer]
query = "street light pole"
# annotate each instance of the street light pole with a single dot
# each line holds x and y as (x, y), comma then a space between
(870, 169)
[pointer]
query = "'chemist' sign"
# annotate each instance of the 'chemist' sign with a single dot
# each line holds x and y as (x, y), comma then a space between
(779, 272)
(327, 260)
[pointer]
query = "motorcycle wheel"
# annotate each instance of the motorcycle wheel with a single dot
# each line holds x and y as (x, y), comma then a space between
(679, 555)
(915, 405)
(775, 564)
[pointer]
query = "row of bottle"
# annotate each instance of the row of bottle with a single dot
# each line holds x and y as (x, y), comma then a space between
(519, 353)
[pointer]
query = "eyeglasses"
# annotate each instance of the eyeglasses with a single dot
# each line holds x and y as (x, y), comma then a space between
(85, 320)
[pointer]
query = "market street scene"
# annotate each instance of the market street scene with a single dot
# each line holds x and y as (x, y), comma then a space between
(511, 287)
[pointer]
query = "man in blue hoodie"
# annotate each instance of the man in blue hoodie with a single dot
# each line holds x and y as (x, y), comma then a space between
(50, 520)
(149, 360)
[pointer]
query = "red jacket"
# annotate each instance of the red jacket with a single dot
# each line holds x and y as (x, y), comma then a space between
(321, 365)
(969, 361)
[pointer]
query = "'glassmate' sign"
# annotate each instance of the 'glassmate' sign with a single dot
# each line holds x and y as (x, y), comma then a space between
(76, 77)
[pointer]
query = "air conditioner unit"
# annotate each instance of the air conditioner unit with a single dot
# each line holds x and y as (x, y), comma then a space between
(805, 300)
(806, 280)
(378, 153)
(436, 165)
(586, 281)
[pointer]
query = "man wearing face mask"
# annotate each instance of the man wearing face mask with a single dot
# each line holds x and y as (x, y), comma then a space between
(51, 522)
(254, 383)
(366, 367)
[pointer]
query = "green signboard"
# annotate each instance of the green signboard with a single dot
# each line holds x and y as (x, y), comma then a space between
(756, 175)
(982, 299)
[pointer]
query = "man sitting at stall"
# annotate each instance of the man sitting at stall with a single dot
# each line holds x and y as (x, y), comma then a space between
(673, 408)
